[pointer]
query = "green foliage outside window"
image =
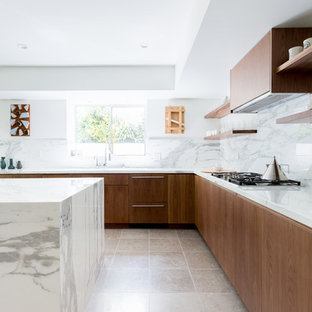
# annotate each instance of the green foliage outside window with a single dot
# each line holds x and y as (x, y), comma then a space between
(95, 125)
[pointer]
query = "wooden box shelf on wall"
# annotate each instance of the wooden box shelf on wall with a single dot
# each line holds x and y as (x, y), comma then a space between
(256, 73)
(230, 134)
(302, 62)
(174, 119)
(303, 117)
(220, 111)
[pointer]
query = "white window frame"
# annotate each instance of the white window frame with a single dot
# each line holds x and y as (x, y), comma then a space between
(110, 143)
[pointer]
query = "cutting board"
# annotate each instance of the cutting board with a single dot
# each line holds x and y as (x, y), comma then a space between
(217, 171)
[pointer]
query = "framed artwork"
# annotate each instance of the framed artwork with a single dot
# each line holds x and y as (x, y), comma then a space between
(20, 119)
(174, 119)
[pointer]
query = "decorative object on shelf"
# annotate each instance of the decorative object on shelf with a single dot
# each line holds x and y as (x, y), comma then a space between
(19, 165)
(294, 51)
(11, 166)
(20, 119)
(307, 43)
(3, 163)
(174, 119)
(302, 62)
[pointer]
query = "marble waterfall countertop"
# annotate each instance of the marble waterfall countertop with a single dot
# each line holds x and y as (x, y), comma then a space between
(51, 243)
(42, 190)
(294, 202)
(104, 170)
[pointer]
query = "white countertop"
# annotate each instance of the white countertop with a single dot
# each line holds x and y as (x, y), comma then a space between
(96, 170)
(42, 190)
(294, 202)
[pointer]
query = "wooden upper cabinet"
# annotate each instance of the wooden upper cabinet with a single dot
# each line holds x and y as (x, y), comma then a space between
(251, 77)
(256, 73)
(148, 188)
(181, 199)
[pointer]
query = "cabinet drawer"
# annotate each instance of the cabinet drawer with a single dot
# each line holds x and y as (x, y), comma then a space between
(148, 188)
(148, 213)
(115, 179)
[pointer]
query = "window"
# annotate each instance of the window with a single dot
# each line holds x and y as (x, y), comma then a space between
(118, 127)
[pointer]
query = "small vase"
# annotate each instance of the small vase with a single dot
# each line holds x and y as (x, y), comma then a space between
(11, 166)
(19, 165)
(3, 163)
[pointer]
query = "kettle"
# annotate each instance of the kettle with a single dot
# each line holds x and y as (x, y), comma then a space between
(274, 172)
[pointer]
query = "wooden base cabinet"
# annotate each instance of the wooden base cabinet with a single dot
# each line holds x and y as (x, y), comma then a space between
(116, 204)
(181, 199)
(148, 199)
(247, 237)
(286, 265)
(231, 228)
(267, 257)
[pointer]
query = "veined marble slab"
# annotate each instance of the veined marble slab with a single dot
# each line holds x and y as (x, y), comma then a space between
(96, 170)
(294, 202)
(51, 243)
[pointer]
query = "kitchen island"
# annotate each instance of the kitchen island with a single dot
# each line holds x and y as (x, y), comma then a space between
(51, 243)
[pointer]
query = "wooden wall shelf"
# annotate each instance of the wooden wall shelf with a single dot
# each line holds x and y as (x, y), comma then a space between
(230, 134)
(301, 62)
(303, 117)
(220, 111)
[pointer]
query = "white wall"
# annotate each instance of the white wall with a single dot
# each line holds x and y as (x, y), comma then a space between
(47, 119)
(87, 78)
(195, 123)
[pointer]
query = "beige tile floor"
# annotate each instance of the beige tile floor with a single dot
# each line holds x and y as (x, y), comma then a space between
(160, 270)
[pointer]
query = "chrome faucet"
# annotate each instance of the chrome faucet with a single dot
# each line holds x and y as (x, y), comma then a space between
(107, 157)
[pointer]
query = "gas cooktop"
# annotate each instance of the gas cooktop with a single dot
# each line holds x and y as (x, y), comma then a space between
(251, 178)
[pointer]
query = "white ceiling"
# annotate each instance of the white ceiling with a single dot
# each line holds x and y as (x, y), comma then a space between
(229, 30)
(109, 32)
(94, 32)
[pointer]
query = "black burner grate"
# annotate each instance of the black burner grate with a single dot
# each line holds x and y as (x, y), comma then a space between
(251, 178)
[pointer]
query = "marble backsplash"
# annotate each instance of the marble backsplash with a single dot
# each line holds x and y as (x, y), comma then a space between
(245, 153)
(253, 152)
(188, 153)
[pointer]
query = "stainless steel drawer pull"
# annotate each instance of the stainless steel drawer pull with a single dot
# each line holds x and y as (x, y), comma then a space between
(148, 206)
(147, 177)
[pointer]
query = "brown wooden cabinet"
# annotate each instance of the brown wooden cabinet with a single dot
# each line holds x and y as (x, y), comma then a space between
(181, 199)
(202, 195)
(231, 226)
(116, 199)
(151, 188)
(251, 77)
(148, 198)
(256, 73)
(286, 265)
(116, 204)
(247, 236)
(266, 256)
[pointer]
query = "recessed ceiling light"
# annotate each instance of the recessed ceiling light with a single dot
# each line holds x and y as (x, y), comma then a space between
(144, 45)
(22, 46)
